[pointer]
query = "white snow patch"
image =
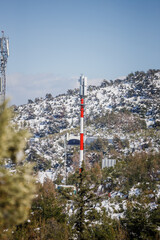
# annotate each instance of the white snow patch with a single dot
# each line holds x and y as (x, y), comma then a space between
(47, 174)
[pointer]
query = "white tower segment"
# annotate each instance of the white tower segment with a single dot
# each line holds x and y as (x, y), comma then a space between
(4, 53)
(83, 94)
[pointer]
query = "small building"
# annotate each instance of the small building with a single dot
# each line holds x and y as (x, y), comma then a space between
(72, 139)
(108, 162)
(73, 142)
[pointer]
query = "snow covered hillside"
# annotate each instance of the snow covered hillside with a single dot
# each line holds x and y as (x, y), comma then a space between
(123, 108)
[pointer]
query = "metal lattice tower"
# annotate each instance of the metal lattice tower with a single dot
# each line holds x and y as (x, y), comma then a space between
(4, 53)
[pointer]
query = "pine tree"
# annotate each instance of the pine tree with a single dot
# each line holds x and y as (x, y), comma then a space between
(85, 202)
(90, 220)
(47, 219)
(16, 182)
(107, 228)
(139, 221)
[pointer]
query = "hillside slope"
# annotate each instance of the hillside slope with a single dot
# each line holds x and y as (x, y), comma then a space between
(127, 108)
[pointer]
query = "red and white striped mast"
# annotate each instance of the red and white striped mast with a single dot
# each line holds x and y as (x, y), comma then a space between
(83, 94)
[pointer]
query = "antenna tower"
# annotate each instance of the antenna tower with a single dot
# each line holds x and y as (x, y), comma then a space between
(83, 94)
(4, 53)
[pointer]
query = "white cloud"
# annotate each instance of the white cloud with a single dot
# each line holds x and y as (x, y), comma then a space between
(21, 87)
(121, 78)
(94, 81)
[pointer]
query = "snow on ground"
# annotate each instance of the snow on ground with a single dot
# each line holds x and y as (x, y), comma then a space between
(112, 208)
(157, 74)
(134, 191)
(47, 174)
(45, 117)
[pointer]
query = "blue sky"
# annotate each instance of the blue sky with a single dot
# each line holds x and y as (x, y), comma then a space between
(53, 41)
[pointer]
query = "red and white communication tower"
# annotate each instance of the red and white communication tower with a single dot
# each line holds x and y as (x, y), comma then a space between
(83, 94)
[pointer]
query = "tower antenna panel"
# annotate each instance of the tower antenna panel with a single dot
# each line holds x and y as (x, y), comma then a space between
(4, 53)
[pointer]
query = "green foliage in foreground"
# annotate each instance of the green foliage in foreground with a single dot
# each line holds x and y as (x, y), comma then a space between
(47, 219)
(16, 186)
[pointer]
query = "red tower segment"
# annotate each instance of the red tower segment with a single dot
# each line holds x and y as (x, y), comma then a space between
(83, 93)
